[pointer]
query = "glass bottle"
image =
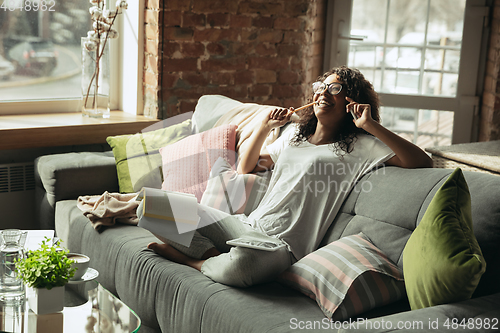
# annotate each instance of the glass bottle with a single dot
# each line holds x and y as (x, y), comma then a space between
(11, 286)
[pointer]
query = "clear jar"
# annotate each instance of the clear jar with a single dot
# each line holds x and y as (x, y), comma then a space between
(11, 286)
(95, 77)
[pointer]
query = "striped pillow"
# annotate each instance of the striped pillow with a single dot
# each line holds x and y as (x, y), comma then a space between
(347, 277)
(232, 192)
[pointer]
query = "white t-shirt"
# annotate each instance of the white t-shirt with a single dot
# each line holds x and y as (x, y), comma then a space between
(308, 185)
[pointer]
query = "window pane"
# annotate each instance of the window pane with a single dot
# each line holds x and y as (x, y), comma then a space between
(365, 56)
(447, 16)
(40, 48)
(423, 38)
(440, 84)
(406, 21)
(374, 76)
(451, 60)
(400, 82)
(369, 15)
(403, 57)
(425, 128)
(434, 59)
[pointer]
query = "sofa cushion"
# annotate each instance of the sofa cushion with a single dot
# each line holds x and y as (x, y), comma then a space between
(234, 193)
(442, 259)
(138, 162)
(347, 277)
(186, 164)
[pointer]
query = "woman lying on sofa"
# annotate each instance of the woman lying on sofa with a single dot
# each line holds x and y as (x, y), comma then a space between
(337, 141)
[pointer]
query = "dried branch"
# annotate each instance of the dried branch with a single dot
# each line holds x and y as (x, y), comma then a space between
(103, 21)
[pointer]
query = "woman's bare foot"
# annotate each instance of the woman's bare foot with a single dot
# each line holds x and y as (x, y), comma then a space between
(168, 252)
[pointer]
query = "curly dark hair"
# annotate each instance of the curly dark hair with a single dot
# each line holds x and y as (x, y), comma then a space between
(356, 87)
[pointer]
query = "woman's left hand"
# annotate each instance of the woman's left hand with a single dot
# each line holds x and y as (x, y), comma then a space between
(407, 155)
(361, 111)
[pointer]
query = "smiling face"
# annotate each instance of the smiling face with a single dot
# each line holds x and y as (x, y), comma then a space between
(330, 109)
(329, 119)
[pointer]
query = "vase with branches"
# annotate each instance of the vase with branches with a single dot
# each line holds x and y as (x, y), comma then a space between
(95, 58)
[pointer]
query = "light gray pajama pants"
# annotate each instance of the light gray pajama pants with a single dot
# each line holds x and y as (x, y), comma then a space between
(236, 266)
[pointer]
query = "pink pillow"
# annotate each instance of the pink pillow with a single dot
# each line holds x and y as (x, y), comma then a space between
(187, 163)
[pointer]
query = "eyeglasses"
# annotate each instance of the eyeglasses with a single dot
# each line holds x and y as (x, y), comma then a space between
(333, 88)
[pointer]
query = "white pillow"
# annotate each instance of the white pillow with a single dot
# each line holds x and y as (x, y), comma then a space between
(209, 109)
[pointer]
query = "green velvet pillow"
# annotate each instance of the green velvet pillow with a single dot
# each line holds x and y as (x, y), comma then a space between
(138, 162)
(442, 260)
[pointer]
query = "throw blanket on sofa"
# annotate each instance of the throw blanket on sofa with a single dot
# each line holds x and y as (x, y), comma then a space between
(109, 208)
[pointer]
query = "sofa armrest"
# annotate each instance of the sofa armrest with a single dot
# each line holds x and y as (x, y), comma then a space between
(67, 176)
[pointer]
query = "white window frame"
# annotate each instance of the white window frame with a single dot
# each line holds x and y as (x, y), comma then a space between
(129, 84)
(126, 72)
(466, 103)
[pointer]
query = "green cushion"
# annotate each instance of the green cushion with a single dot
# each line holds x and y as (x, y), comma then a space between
(138, 162)
(442, 260)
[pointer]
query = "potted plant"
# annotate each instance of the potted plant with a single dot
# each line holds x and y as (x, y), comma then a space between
(46, 271)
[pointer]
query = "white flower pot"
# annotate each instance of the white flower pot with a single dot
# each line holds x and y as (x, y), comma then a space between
(43, 301)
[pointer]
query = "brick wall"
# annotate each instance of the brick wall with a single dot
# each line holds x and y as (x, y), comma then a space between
(253, 51)
(489, 125)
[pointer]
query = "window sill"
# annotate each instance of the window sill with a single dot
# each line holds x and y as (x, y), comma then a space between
(63, 129)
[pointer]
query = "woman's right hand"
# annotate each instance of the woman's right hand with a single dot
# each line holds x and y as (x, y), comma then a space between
(250, 159)
(278, 117)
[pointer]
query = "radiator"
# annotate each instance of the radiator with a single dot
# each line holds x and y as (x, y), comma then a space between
(17, 196)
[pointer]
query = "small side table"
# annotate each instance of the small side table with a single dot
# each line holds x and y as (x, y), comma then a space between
(475, 156)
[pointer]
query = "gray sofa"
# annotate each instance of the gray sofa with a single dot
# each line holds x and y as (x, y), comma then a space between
(169, 297)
